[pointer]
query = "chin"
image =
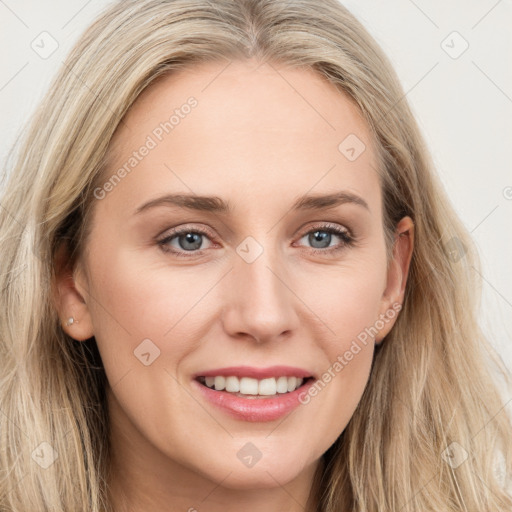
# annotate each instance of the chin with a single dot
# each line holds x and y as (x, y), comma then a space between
(260, 478)
(273, 469)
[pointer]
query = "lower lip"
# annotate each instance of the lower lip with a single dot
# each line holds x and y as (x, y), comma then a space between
(254, 409)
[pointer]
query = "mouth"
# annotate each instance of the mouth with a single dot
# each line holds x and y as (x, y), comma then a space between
(253, 394)
(251, 388)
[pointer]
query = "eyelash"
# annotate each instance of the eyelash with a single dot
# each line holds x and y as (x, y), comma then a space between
(347, 240)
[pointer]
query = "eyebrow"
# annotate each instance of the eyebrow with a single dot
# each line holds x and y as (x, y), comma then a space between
(215, 204)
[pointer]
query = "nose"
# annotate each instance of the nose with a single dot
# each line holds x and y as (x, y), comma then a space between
(260, 303)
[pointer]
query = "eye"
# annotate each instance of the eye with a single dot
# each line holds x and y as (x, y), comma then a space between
(321, 237)
(184, 240)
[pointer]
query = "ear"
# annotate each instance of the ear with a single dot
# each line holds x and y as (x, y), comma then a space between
(398, 269)
(69, 289)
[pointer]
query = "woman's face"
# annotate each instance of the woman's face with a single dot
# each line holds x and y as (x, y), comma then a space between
(244, 243)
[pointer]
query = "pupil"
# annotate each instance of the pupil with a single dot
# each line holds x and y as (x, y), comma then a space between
(320, 236)
(190, 238)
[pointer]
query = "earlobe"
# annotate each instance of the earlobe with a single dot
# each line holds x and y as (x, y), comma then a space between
(69, 302)
(398, 271)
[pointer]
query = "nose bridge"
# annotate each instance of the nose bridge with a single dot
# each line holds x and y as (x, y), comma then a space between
(260, 303)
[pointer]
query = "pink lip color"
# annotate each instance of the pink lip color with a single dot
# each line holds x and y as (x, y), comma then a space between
(253, 409)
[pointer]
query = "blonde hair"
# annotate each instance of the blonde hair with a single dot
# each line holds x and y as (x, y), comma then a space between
(430, 384)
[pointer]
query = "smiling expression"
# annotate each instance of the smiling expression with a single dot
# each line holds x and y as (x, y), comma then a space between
(245, 249)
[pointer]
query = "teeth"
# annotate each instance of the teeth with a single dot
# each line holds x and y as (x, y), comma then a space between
(267, 386)
(282, 384)
(220, 383)
(232, 384)
(249, 386)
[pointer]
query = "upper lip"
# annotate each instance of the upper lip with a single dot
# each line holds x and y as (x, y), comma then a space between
(255, 373)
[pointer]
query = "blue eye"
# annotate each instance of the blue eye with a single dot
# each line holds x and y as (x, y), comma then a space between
(190, 241)
(321, 237)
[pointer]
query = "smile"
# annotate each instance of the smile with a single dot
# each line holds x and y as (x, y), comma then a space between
(252, 388)
(253, 394)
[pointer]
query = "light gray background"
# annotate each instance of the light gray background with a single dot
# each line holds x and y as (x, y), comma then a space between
(463, 105)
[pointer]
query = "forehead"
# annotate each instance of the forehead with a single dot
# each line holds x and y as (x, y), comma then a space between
(255, 128)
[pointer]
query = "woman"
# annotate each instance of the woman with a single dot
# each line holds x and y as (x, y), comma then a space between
(196, 169)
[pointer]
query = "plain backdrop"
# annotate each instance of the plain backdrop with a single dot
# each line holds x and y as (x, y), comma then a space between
(453, 59)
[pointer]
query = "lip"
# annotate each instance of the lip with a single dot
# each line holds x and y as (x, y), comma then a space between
(256, 373)
(253, 409)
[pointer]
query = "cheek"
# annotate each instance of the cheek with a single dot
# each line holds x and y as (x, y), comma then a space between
(144, 320)
(347, 301)
(136, 310)
(141, 298)
(346, 298)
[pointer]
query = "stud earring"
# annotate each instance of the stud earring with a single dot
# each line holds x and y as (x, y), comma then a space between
(71, 321)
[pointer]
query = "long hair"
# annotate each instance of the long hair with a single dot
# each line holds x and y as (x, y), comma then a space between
(431, 424)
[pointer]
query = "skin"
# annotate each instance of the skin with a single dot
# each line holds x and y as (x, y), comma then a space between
(260, 137)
